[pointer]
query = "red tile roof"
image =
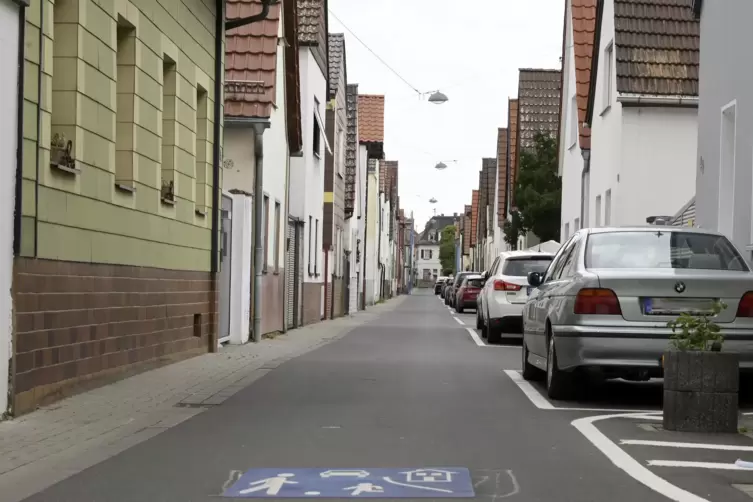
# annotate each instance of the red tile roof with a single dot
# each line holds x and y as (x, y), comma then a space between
(584, 26)
(251, 56)
(370, 118)
(502, 175)
(512, 128)
(474, 217)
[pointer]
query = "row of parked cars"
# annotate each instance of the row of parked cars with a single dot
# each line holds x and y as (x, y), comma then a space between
(600, 305)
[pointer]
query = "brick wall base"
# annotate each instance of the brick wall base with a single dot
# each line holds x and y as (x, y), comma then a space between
(312, 302)
(81, 325)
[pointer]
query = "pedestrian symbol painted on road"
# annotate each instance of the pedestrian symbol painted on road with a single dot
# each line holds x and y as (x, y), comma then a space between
(452, 482)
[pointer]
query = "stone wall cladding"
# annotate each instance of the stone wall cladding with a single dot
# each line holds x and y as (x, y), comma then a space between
(272, 305)
(312, 302)
(80, 325)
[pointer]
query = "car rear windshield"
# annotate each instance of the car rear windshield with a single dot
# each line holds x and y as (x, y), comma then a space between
(662, 249)
(474, 283)
(520, 267)
(460, 277)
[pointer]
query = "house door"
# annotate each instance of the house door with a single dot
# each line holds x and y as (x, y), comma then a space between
(226, 244)
(291, 266)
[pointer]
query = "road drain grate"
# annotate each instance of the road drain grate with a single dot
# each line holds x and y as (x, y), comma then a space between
(651, 427)
(195, 405)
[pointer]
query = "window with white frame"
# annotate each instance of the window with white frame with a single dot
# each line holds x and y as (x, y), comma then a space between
(576, 225)
(311, 242)
(598, 210)
(573, 132)
(727, 169)
(567, 232)
(341, 152)
(608, 75)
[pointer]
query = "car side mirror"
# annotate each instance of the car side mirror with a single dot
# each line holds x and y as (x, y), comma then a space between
(534, 279)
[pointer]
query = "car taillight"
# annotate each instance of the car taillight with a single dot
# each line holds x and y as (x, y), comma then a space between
(505, 286)
(597, 301)
(745, 308)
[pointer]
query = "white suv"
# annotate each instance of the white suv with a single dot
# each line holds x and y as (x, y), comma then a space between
(500, 303)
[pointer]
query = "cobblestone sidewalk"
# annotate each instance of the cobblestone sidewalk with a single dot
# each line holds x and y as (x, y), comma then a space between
(58, 441)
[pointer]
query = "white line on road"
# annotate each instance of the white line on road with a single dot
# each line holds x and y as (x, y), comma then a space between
(700, 446)
(475, 337)
(531, 393)
(459, 321)
(696, 465)
(627, 463)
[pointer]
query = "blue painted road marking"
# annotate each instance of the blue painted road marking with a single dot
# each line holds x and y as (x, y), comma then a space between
(445, 482)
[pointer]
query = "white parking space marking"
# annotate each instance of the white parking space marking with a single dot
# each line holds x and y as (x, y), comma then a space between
(530, 391)
(475, 337)
(697, 465)
(459, 321)
(627, 463)
(542, 403)
(701, 446)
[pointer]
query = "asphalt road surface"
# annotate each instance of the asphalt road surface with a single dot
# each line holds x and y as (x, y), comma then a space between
(410, 390)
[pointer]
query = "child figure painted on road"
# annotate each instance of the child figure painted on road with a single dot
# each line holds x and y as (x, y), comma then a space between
(272, 485)
(365, 488)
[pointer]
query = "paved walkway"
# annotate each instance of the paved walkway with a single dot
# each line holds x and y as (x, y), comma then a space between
(58, 441)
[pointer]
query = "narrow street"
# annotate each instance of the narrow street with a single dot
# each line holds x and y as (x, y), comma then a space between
(408, 390)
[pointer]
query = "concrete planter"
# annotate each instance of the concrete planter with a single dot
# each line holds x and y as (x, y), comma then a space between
(700, 391)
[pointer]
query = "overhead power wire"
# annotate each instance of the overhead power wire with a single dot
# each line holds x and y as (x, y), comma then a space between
(375, 54)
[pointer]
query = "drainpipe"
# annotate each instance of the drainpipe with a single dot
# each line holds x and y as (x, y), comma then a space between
(365, 235)
(379, 244)
(326, 282)
(586, 169)
(235, 23)
(39, 126)
(259, 127)
(19, 130)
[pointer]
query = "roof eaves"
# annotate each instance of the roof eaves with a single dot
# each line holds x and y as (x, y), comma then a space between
(595, 62)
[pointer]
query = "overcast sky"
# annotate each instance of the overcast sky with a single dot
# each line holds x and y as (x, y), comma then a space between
(469, 49)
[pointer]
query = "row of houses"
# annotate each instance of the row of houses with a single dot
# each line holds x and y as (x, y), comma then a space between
(649, 111)
(187, 173)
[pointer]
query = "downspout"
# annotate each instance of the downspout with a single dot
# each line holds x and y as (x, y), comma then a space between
(365, 235)
(19, 131)
(235, 23)
(39, 126)
(326, 282)
(259, 128)
(586, 170)
(214, 265)
(379, 244)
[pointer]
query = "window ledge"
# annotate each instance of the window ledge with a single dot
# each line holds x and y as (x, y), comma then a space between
(65, 169)
(276, 272)
(125, 188)
(201, 212)
(317, 155)
(605, 110)
(168, 202)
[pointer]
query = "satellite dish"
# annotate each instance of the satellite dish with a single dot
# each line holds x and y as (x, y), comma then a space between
(438, 98)
(433, 200)
(440, 166)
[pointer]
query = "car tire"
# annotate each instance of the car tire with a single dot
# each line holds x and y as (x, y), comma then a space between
(493, 335)
(459, 308)
(479, 319)
(530, 372)
(559, 384)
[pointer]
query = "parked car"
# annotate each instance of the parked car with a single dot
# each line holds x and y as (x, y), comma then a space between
(445, 285)
(467, 292)
(604, 302)
(450, 293)
(438, 285)
(506, 291)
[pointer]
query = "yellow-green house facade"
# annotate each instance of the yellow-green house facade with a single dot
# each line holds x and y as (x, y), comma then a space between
(115, 268)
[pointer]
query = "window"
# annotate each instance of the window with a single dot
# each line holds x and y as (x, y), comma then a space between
(125, 81)
(608, 75)
(429, 253)
(311, 241)
(608, 208)
(265, 233)
(598, 210)
(317, 144)
(316, 248)
(169, 92)
(203, 147)
(341, 152)
(567, 230)
(576, 225)
(573, 121)
(520, 267)
(555, 269)
(662, 249)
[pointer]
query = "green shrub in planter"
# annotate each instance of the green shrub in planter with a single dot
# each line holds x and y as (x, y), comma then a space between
(700, 381)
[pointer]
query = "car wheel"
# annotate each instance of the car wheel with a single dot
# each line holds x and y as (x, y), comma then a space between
(479, 319)
(493, 335)
(559, 384)
(530, 372)
(459, 308)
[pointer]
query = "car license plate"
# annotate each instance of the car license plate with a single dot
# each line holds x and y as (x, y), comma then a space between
(676, 306)
(528, 290)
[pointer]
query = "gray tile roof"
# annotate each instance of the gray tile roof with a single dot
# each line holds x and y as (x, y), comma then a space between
(351, 149)
(538, 105)
(336, 61)
(310, 20)
(657, 46)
